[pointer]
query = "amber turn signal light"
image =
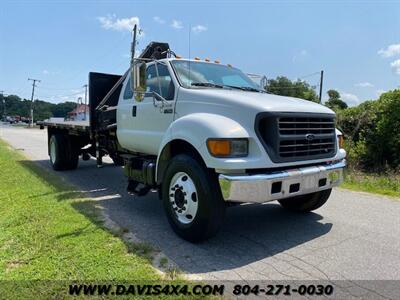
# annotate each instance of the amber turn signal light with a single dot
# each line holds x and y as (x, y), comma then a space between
(228, 147)
(219, 147)
(341, 141)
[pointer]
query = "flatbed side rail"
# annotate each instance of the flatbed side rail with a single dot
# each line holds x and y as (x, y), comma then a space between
(76, 125)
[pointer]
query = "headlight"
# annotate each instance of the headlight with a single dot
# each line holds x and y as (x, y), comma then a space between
(228, 147)
(340, 141)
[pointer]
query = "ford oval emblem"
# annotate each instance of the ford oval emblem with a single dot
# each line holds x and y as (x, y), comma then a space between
(310, 137)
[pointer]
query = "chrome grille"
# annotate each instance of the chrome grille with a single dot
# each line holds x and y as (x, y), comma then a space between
(295, 137)
(306, 136)
(306, 125)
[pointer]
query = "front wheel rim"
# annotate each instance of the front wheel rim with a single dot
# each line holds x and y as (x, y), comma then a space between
(183, 198)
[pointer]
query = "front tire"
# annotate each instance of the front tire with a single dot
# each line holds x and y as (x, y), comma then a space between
(118, 160)
(306, 203)
(192, 199)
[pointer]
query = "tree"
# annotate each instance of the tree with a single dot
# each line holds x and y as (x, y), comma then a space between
(285, 87)
(372, 141)
(15, 106)
(334, 102)
(62, 109)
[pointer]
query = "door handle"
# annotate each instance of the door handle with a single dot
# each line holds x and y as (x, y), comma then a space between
(134, 111)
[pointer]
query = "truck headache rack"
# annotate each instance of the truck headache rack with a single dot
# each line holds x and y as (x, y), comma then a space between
(156, 50)
(104, 90)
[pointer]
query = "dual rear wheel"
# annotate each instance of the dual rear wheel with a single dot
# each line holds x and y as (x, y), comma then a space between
(64, 154)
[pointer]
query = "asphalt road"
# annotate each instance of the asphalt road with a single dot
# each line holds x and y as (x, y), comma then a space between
(354, 236)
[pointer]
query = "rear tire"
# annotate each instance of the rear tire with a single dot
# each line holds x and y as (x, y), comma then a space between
(306, 203)
(192, 199)
(64, 155)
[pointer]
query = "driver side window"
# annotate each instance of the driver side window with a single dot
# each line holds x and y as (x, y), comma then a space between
(152, 80)
(166, 83)
(161, 84)
(128, 94)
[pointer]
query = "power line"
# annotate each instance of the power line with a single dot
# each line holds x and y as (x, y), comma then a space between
(86, 87)
(308, 75)
(56, 89)
(100, 57)
(320, 85)
(61, 95)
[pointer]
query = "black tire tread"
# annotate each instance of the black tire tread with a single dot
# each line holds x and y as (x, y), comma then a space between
(67, 153)
(211, 209)
(118, 160)
(306, 203)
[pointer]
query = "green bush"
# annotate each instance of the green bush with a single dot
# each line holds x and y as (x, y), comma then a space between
(372, 133)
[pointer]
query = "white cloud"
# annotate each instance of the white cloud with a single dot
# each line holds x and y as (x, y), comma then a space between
(350, 99)
(159, 20)
(396, 66)
(47, 72)
(199, 28)
(364, 84)
(177, 24)
(390, 51)
(113, 23)
(380, 92)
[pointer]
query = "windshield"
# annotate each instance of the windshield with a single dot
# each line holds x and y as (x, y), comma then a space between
(202, 74)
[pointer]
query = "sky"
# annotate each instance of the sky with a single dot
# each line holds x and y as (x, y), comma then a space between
(356, 43)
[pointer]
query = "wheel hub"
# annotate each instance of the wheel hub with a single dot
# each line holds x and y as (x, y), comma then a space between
(179, 198)
(183, 197)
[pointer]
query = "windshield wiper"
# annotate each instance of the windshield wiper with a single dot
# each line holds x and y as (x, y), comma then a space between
(207, 84)
(246, 88)
(243, 88)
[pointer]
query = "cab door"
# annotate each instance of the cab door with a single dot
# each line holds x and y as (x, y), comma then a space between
(142, 125)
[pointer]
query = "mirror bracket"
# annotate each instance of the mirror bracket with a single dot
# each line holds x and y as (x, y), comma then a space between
(157, 98)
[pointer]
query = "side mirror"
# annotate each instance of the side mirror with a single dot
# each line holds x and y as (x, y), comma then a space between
(138, 79)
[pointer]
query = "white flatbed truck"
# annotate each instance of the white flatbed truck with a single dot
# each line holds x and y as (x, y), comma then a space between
(204, 135)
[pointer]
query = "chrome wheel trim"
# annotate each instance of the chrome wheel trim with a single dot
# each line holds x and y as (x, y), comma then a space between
(53, 152)
(183, 197)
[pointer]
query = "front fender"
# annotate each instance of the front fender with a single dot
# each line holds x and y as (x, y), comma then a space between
(196, 128)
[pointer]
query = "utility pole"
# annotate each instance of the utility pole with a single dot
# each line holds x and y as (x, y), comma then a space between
(4, 103)
(320, 85)
(33, 94)
(85, 86)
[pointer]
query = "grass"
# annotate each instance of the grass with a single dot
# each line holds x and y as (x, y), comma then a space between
(49, 232)
(164, 262)
(382, 184)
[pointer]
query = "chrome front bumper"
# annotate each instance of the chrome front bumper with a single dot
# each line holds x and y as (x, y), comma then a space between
(282, 184)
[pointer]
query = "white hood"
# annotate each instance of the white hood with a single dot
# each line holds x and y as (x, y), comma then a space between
(254, 100)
